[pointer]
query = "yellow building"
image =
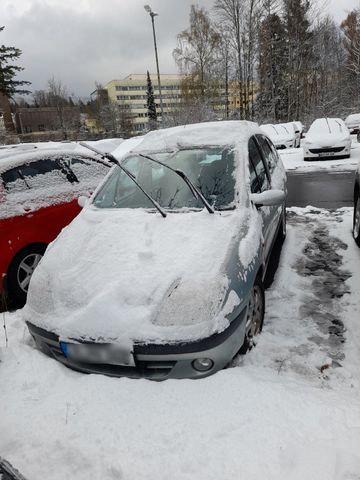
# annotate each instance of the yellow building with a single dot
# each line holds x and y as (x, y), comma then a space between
(130, 94)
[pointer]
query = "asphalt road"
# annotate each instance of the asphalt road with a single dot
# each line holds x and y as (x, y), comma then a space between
(320, 189)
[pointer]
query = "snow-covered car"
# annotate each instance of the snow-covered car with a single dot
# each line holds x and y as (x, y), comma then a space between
(299, 131)
(38, 197)
(327, 138)
(282, 135)
(161, 275)
(353, 123)
(356, 218)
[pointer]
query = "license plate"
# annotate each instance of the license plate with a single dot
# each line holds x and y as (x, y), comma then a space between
(100, 353)
(325, 154)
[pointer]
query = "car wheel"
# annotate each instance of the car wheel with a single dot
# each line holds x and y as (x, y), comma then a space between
(254, 316)
(20, 272)
(356, 220)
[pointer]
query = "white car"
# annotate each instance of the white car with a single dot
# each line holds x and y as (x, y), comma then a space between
(327, 138)
(282, 135)
(353, 123)
(299, 129)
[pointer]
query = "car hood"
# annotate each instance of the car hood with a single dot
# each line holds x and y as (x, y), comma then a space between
(325, 139)
(130, 275)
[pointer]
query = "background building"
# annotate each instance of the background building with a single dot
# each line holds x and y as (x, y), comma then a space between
(131, 96)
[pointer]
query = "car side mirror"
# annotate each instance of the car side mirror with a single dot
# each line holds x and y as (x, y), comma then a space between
(82, 201)
(268, 198)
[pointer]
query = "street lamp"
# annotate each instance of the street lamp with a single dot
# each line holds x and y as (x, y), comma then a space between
(152, 15)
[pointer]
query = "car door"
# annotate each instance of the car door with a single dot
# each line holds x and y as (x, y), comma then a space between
(260, 182)
(39, 198)
(277, 181)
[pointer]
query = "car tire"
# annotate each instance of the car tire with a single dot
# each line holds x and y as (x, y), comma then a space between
(20, 272)
(356, 220)
(254, 316)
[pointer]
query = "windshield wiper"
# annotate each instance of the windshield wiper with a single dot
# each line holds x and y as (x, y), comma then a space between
(194, 190)
(112, 159)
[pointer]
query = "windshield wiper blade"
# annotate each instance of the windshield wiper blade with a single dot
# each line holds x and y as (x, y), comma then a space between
(114, 160)
(194, 190)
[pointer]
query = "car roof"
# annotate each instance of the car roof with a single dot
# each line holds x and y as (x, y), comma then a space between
(199, 135)
(353, 116)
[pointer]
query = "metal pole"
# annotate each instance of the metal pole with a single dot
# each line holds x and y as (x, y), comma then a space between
(152, 15)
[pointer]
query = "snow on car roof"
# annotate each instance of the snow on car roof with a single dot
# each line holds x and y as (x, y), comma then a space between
(198, 135)
(353, 117)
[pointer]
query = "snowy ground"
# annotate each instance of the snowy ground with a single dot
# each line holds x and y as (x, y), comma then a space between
(293, 159)
(290, 409)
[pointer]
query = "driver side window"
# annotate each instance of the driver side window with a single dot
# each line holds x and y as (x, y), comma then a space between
(258, 175)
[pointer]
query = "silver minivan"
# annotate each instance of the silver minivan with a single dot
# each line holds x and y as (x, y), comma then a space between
(161, 274)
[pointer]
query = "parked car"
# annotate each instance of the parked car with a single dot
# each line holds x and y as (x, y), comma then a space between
(356, 218)
(353, 123)
(327, 138)
(38, 197)
(161, 275)
(299, 129)
(282, 135)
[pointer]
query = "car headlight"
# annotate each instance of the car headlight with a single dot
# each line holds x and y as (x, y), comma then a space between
(192, 302)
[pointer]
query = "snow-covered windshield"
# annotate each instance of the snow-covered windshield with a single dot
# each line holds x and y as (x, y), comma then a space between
(211, 170)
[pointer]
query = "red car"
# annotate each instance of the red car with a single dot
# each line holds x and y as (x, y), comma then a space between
(38, 197)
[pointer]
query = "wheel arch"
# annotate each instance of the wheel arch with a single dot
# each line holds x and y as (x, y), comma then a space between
(25, 247)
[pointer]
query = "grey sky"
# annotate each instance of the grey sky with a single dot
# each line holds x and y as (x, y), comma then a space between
(91, 40)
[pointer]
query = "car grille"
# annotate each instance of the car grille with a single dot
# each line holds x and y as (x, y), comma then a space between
(48, 343)
(326, 150)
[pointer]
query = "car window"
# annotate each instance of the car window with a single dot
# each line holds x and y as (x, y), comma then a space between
(211, 170)
(269, 152)
(261, 182)
(86, 169)
(33, 175)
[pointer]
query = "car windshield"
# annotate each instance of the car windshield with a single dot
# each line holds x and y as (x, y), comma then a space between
(211, 170)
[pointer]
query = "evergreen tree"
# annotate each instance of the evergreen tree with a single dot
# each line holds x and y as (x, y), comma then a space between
(8, 85)
(152, 115)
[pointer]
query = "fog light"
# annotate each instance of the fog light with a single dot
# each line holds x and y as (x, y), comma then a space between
(202, 364)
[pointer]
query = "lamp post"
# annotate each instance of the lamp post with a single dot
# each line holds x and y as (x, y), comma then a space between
(152, 15)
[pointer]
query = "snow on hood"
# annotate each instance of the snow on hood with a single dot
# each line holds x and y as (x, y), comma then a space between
(130, 275)
(326, 132)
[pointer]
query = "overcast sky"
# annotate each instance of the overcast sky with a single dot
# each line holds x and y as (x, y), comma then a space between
(83, 41)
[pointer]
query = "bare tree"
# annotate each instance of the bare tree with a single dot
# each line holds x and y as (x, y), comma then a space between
(196, 53)
(241, 19)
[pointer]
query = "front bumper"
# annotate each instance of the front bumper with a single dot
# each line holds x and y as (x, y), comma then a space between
(325, 153)
(153, 361)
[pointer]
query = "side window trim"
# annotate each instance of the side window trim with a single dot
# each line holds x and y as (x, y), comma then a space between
(268, 174)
